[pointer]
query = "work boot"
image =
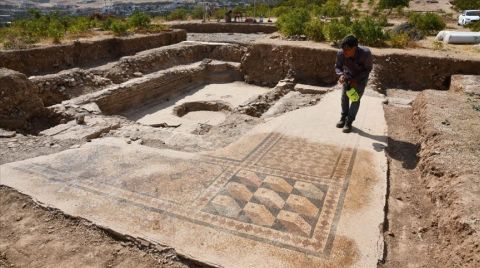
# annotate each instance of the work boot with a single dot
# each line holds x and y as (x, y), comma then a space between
(347, 128)
(341, 123)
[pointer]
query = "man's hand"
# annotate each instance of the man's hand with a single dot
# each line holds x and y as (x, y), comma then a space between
(353, 83)
(341, 80)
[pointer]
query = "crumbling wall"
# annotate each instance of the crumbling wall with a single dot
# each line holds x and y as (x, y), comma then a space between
(20, 105)
(225, 27)
(266, 64)
(162, 58)
(55, 88)
(160, 86)
(51, 59)
(418, 72)
(67, 84)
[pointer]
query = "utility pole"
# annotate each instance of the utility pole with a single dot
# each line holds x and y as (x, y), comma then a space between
(254, 9)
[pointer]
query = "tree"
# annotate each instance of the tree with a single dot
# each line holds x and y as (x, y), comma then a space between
(389, 4)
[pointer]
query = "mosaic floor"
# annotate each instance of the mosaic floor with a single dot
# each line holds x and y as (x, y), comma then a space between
(262, 197)
(276, 190)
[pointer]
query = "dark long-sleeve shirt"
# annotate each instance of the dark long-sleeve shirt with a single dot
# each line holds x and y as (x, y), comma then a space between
(357, 68)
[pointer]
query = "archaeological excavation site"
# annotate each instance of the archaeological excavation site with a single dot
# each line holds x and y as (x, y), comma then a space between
(171, 150)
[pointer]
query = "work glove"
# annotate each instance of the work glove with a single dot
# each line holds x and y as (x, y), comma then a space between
(352, 94)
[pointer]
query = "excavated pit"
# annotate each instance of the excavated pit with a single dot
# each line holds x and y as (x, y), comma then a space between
(204, 97)
(190, 88)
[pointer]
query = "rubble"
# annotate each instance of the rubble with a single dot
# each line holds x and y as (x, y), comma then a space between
(19, 100)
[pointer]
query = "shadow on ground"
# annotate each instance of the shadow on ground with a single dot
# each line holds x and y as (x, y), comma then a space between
(402, 151)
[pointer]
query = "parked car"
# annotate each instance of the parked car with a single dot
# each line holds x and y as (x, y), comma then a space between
(468, 16)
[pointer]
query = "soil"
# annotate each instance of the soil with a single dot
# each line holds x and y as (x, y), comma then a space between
(433, 199)
(408, 205)
(33, 236)
(449, 124)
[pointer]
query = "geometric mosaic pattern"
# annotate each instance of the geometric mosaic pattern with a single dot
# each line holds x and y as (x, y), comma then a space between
(292, 155)
(279, 203)
(287, 191)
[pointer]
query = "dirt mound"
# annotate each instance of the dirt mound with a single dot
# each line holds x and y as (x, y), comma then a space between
(449, 126)
(19, 100)
(33, 236)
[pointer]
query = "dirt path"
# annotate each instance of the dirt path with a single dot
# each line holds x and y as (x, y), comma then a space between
(433, 180)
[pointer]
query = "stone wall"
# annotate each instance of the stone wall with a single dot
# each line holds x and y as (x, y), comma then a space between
(159, 86)
(225, 27)
(418, 72)
(67, 84)
(166, 57)
(266, 64)
(52, 59)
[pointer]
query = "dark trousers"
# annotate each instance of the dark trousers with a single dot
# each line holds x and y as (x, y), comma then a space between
(350, 109)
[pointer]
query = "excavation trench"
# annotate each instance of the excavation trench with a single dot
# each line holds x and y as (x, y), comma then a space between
(232, 138)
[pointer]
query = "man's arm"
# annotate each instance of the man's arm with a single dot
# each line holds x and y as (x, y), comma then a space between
(367, 66)
(339, 63)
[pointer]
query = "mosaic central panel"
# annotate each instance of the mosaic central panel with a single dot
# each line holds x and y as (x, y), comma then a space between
(287, 191)
(276, 202)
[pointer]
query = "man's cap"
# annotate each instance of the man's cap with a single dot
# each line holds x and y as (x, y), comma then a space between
(349, 42)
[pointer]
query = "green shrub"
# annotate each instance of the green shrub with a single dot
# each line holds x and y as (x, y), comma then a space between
(369, 32)
(119, 27)
(197, 12)
(382, 20)
(56, 30)
(280, 10)
(389, 4)
(293, 22)
(262, 10)
(178, 14)
(139, 20)
(40, 26)
(437, 45)
(219, 14)
(14, 38)
(335, 31)
(399, 40)
(314, 30)
(80, 25)
(332, 8)
(107, 24)
(467, 4)
(428, 22)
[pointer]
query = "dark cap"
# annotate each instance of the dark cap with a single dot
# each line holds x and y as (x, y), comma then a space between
(349, 42)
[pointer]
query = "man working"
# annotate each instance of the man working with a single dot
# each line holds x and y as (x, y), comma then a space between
(353, 65)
